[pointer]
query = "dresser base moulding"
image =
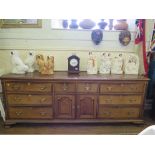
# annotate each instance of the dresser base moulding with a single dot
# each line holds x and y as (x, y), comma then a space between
(83, 98)
(8, 123)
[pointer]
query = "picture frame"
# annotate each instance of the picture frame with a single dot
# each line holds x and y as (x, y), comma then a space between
(21, 23)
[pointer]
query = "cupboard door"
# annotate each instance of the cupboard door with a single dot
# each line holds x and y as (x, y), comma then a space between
(64, 106)
(86, 106)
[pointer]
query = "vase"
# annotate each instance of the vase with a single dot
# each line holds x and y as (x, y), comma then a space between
(65, 23)
(102, 24)
(73, 24)
(87, 24)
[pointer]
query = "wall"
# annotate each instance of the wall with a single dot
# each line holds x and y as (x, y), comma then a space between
(60, 44)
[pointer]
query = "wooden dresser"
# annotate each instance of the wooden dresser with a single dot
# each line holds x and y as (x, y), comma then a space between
(63, 98)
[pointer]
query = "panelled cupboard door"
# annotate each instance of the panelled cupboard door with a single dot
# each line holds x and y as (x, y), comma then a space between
(64, 106)
(86, 106)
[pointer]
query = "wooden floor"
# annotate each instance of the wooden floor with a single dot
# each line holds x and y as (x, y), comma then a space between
(76, 129)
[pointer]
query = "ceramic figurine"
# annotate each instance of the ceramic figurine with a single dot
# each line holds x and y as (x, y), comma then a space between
(92, 64)
(49, 65)
(105, 63)
(131, 64)
(18, 67)
(30, 61)
(117, 64)
(40, 62)
(45, 66)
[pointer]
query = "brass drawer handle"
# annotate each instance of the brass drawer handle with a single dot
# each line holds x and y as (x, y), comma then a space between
(43, 88)
(43, 100)
(132, 100)
(43, 113)
(109, 88)
(14, 87)
(108, 100)
(18, 113)
(17, 98)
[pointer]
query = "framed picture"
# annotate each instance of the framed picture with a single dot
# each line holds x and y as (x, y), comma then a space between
(21, 23)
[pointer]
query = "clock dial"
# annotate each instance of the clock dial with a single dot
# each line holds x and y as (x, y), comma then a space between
(73, 62)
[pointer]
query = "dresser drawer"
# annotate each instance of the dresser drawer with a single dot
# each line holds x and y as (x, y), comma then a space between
(118, 113)
(28, 86)
(87, 87)
(122, 87)
(30, 113)
(64, 87)
(120, 99)
(20, 99)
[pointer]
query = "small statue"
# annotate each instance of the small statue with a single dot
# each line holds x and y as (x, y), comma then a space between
(18, 66)
(92, 64)
(117, 64)
(30, 61)
(105, 63)
(45, 66)
(131, 64)
(40, 62)
(49, 65)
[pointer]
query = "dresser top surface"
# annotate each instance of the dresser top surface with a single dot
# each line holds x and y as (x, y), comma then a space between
(63, 75)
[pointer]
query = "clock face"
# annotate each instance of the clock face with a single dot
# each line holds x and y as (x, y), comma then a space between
(73, 62)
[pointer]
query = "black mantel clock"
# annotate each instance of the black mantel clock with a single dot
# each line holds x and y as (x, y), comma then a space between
(73, 64)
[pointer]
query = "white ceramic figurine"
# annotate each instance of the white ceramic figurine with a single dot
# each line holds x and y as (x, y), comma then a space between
(117, 64)
(105, 63)
(30, 61)
(131, 64)
(91, 64)
(18, 66)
